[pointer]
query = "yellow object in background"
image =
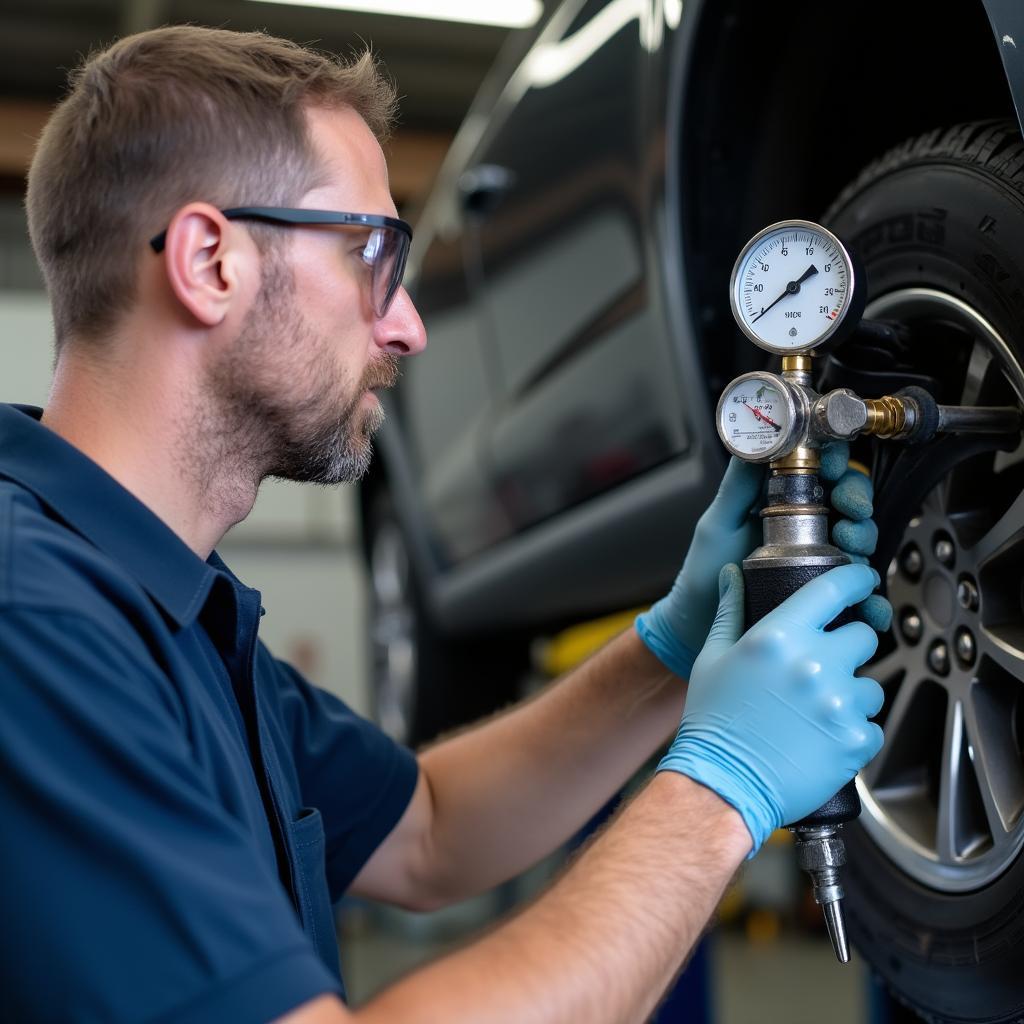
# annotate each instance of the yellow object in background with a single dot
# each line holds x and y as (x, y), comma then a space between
(567, 649)
(762, 926)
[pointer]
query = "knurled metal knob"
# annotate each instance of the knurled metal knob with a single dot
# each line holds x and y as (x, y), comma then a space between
(842, 413)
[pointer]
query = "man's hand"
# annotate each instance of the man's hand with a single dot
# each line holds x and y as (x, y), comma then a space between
(675, 628)
(775, 721)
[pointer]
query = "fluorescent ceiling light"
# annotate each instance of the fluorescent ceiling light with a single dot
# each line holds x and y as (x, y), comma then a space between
(505, 13)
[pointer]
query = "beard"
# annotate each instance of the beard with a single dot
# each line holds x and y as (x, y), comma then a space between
(281, 406)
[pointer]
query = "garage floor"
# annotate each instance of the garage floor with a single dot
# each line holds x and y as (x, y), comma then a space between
(755, 971)
(750, 981)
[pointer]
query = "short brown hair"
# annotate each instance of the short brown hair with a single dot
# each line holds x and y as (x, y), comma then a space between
(164, 118)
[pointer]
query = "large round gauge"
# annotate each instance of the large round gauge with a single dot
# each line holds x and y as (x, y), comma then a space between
(792, 287)
(758, 417)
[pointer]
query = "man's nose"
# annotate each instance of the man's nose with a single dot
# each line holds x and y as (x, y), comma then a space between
(401, 331)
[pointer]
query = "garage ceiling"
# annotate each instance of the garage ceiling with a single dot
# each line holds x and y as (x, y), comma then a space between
(437, 65)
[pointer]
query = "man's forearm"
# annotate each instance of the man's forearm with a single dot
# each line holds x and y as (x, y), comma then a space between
(604, 943)
(511, 790)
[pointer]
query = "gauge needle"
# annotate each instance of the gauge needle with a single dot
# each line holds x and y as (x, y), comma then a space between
(791, 289)
(761, 416)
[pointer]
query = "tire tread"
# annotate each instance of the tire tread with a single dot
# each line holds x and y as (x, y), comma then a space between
(993, 146)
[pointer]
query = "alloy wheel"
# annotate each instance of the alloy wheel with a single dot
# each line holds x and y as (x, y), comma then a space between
(392, 633)
(945, 797)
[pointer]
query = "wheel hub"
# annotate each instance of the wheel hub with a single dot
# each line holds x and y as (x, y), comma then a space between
(939, 598)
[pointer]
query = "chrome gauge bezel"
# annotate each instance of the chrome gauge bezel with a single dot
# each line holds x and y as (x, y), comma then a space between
(831, 331)
(788, 439)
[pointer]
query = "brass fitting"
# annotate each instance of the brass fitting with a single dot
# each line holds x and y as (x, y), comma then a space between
(887, 416)
(796, 363)
(800, 460)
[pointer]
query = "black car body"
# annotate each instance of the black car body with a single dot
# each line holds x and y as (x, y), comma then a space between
(575, 297)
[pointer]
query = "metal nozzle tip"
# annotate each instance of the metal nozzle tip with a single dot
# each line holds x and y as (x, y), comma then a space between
(836, 925)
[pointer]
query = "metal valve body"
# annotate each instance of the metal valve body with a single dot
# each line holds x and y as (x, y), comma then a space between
(796, 549)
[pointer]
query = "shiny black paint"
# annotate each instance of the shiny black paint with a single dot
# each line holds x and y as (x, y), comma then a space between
(580, 383)
(1007, 20)
(588, 397)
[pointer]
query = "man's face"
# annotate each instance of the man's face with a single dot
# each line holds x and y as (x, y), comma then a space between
(296, 386)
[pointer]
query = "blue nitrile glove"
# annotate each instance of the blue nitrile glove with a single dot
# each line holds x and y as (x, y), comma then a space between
(856, 533)
(775, 721)
(675, 628)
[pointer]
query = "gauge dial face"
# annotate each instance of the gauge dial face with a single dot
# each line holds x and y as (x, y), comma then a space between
(791, 287)
(756, 417)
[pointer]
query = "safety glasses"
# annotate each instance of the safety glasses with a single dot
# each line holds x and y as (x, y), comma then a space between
(385, 251)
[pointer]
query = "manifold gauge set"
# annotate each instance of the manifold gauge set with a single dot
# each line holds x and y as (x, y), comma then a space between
(796, 292)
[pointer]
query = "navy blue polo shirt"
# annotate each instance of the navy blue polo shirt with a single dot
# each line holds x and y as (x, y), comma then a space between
(178, 809)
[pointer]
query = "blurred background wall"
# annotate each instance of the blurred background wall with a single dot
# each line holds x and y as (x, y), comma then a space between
(299, 546)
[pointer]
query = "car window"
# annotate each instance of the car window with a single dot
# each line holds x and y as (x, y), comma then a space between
(539, 303)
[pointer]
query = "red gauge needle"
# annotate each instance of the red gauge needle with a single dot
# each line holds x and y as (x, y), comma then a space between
(761, 416)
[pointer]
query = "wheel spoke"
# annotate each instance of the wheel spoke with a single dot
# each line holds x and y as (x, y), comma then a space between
(1008, 656)
(967, 526)
(1008, 527)
(936, 500)
(947, 840)
(996, 765)
(977, 373)
(895, 721)
(886, 668)
(969, 818)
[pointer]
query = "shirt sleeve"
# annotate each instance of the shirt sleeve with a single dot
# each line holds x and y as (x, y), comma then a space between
(127, 893)
(359, 778)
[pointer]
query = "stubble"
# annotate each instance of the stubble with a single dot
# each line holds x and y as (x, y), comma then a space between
(279, 405)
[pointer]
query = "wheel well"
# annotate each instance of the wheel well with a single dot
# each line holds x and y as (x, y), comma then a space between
(782, 111)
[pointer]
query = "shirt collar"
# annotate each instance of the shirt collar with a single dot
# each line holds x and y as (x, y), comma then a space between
(95, 505)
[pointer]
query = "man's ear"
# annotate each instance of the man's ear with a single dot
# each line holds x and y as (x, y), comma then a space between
(206, 262)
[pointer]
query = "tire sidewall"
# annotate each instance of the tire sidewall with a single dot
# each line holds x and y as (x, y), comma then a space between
(939, 225)
(953, 957)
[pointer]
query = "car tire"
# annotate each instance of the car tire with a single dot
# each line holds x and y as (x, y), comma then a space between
(424, 682)
(941, 217)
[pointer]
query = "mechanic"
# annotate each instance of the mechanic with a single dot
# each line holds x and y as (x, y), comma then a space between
(180, 809)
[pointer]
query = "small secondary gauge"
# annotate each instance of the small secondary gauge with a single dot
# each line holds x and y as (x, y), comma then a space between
(758, 418)
(792, 287)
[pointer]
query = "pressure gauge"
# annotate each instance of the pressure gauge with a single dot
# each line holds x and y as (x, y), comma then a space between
(792, 287)
(759, 418)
